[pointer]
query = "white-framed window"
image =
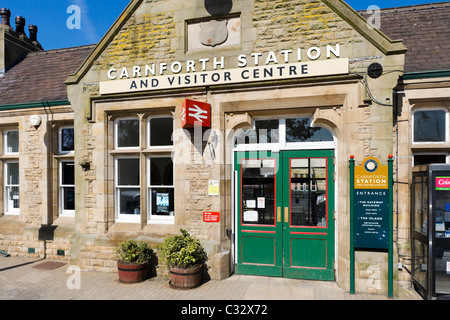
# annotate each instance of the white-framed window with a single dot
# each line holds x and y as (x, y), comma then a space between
(66, 137)
(129, 149)
(11, 142)
(67, 188)
(11, 187)
(159, 132)
(127, 133)
(430, 125)
(127, 189)
(161, 191)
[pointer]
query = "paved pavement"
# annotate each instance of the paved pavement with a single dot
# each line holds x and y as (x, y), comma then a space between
(23, 279)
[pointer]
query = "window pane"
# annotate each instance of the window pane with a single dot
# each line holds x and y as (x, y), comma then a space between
(308, 192)
(13, 198)
(428, 158)
(128, 172)
(258, 181)
(68, 198)
(429, 126)
(67, 139)
(161, 131)
(127, 133)
(266, 131)
(12, 173)
(129, 201)
(300, 130)
(12, 141)
(161, 172)
(162, 200)
(67, 173)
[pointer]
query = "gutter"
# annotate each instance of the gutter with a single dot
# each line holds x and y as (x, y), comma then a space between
(425, 74)
(31, 105)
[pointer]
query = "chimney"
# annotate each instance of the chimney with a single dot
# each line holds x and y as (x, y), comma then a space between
(20, 25)
(5, 14)
(14, 45)
(33, 32)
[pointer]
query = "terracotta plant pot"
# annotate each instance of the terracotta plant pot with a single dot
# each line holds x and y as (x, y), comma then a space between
(133, 272)
(185, 278)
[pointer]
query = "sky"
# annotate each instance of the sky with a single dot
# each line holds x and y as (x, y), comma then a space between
(69, 23)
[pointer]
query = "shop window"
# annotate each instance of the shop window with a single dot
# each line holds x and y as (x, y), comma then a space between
(66, 139)
(161, 189)
(67, 187)
(11, 187)
(127, 133)
(430, 126)
(11, 142)
(160, 131)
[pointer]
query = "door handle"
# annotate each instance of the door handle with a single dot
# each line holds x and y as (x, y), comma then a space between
(278, 214)
(286, 214)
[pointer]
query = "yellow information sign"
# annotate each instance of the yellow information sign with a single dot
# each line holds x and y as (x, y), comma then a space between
(371, 175)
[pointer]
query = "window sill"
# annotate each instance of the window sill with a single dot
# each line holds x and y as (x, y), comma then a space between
(159, 220)
(441, 146)
(12, 213)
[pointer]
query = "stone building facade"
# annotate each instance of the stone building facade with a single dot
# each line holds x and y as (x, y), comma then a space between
(140, 172)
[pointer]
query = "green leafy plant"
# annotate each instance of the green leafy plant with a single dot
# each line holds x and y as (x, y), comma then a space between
(183, 251)
(132, 251)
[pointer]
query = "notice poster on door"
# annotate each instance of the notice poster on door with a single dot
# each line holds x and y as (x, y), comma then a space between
(250, 216)
(261, 202)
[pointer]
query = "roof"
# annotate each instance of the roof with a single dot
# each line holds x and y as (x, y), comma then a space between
(40, 76)
(425, 30)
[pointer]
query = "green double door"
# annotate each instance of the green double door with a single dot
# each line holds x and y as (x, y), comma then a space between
(285, 208)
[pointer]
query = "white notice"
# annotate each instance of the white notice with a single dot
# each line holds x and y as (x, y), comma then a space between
(261, 202)
(250, 216)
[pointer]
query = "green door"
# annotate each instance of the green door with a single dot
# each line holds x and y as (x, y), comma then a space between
(285, 204)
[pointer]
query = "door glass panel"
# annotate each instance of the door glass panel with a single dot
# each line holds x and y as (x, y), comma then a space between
(258, 191)
(308, 192)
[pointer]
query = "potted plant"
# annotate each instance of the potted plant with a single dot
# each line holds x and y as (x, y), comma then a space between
(133, 261)
(185, 258)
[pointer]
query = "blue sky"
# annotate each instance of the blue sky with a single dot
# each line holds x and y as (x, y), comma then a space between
(96, 16)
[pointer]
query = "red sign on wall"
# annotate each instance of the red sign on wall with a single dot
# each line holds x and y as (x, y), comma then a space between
(195, 113)
(211, 216)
